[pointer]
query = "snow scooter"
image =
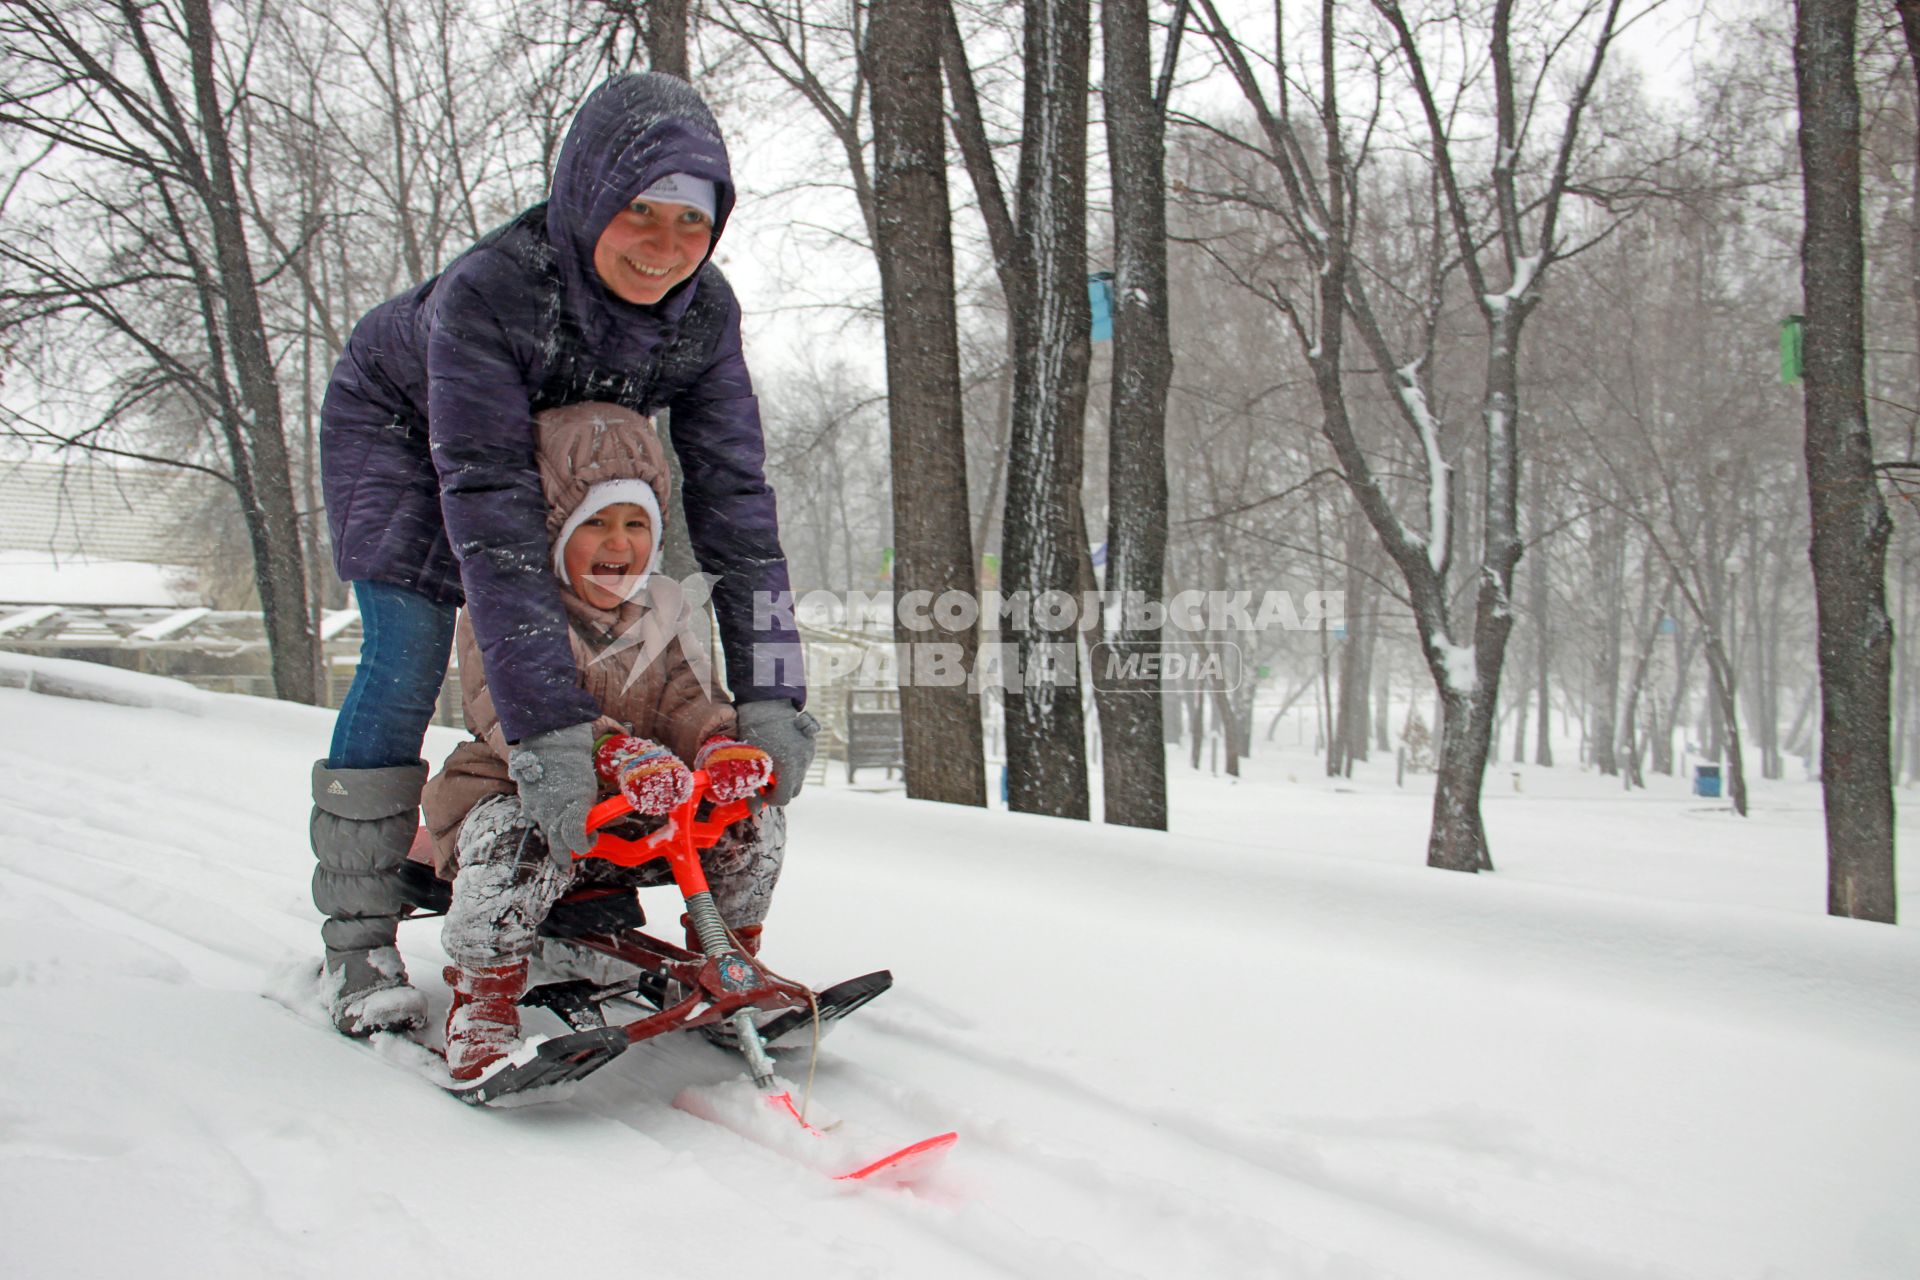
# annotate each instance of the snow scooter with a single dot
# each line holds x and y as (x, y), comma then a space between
(676, 989)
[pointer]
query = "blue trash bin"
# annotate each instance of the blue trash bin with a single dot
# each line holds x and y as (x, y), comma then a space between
(1706, 781)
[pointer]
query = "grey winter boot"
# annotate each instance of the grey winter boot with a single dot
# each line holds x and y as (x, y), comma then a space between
(363, 824)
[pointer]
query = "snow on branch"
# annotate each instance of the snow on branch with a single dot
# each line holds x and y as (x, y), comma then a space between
(1439, 474)
(1525, 271)
(1461, 665)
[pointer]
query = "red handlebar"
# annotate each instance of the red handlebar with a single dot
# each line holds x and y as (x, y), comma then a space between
(679, 841)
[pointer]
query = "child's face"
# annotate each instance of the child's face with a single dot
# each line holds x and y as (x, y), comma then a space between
(650, 247)
(608, 550)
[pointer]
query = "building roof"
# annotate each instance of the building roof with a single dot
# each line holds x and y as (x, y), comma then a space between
(84, 508)
(42, 577)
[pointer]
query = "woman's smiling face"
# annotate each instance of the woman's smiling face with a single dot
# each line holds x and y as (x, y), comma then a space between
(649, 247)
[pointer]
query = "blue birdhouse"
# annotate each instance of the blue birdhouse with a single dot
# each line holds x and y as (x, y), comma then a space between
(1100, 298)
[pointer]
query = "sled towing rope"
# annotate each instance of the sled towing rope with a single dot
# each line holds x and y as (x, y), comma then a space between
(724, 985)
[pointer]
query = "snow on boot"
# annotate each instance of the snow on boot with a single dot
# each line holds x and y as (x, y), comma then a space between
(484, 1022)
(370, 993)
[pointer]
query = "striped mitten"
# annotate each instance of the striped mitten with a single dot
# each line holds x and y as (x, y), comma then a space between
(652, 778)
(734, 769)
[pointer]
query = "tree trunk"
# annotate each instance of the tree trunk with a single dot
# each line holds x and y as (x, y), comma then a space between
(1228, 719)
(1325, 735)
(1196, 726)
(1609, 574)
(1722, 677)
(1520, 726)
(1459, 841)
(1538, 598)
(1361, 743)
(1659, 740)
(1902, 678)
(666, 37)
(1046, 736)
(1850, 524)
(1643, 660)
(1799, 741)
(1382, 702)
(1340, 753)
(933, 548)
(1712, 627)
(1349, 741)
(1286, 705)
(261, 471)
(1685, 644)
(1132, 758)
(1775, 600)
(1763, 712)
(1910, 26)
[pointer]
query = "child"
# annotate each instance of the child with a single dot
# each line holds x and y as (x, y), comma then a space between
(605, 480)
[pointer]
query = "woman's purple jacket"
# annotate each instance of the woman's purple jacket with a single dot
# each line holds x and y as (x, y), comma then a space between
(427, 449)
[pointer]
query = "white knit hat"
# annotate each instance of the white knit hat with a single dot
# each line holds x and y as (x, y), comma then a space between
(681, 188)
(601, 496)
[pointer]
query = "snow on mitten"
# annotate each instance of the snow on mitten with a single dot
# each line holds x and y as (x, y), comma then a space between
(652, 778)
(734, 769)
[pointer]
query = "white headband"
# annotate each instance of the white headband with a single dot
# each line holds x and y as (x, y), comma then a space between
(598, 499)
(681, 188)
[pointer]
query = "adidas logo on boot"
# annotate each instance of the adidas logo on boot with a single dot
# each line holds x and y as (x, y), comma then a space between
(335, 789)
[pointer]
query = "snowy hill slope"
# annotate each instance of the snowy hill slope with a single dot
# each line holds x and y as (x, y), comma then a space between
(1269, 1043)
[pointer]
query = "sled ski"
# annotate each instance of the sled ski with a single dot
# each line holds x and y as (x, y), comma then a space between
(839, 1150)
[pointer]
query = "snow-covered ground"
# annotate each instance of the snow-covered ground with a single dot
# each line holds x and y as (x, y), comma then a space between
(1269, 1043)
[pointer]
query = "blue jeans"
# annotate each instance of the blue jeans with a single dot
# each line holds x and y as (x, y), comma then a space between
(405, 641)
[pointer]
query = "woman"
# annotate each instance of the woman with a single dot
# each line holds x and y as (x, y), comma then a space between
(605, 292)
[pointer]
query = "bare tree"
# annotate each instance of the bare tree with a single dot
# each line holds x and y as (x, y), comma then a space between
(823, 63)
(1850, 524)
(871, 75)
(1667, 430)
(137, 100)
(826, 456)
(1504, 236)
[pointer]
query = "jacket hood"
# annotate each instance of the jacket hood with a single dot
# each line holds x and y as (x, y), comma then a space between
(583, 445)
(630, 132)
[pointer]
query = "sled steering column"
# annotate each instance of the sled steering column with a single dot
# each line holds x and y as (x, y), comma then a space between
(727, 971)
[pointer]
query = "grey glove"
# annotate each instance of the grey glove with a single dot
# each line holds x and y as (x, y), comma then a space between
(557, 787)
(786, 735)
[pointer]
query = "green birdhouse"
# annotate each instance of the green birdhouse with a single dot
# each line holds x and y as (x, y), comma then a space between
(1793, 362)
